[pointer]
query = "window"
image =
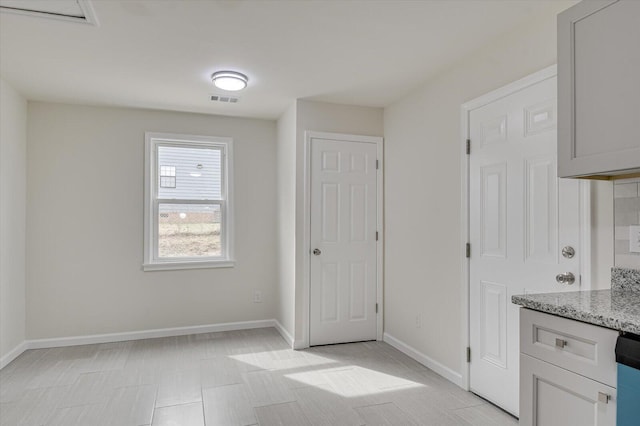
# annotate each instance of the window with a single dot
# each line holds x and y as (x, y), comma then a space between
(188, 208)
(167, 177)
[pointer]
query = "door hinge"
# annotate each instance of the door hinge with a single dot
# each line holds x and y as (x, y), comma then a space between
(468, 354)
(467, 250)
(376, 235)
(376, 308)
(377, 164)
(468, 146)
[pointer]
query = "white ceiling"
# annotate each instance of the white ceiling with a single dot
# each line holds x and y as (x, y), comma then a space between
(160, 54)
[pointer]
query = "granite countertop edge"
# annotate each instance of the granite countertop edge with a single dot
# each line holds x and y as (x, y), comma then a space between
(613, 320)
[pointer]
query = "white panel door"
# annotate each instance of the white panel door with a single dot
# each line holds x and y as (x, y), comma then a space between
(521, 216)
(343, 242)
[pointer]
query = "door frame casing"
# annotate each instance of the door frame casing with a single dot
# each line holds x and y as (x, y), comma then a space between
(306, 284)
(585, 205)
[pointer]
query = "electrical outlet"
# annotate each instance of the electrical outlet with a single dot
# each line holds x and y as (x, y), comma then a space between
(418, 321)
(634, 239)
(257, 296)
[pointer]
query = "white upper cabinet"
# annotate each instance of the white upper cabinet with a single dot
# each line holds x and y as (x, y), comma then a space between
(599, 88)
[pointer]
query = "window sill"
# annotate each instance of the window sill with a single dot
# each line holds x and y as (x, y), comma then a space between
(175, 266)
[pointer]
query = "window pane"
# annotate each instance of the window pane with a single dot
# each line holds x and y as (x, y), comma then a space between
(189, 230)
(167, 171)
(196, 172)
(167, 182)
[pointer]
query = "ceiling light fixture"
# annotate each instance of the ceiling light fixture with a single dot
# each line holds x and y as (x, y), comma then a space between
(229, 80)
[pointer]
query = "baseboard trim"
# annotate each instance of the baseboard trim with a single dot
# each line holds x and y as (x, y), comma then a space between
(137, 335)
(423, 359)
(284, 333)
(13, 354)
(146, 334)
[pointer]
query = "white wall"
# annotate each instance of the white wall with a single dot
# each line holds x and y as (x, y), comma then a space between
(332, 118)
(85, 225)
(286, 165)
(423, 185)
(602, 234)
(13, 149)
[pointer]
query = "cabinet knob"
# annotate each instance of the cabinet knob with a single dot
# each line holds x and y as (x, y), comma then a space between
(561, 343)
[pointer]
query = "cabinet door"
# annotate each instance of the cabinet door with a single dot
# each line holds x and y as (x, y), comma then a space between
(553, 396)
(598, 88)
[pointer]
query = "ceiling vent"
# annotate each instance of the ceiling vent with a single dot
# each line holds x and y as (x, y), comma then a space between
(224, 99)
(80, 11)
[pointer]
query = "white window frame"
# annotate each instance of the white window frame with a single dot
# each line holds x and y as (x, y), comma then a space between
(151, 184)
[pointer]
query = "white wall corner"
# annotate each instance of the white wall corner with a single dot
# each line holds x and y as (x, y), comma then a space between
(13, 354)
(284, 333)
(444, 371)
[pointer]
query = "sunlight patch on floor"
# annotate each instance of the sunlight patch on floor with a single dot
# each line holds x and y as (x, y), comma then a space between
(354, 381)
(281, 360)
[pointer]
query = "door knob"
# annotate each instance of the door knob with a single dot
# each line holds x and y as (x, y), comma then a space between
(566, 278)
(317, 252)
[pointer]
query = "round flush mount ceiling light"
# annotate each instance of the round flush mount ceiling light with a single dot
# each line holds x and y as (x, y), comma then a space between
(229, 80)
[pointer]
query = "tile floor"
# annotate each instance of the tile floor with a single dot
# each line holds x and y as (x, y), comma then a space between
(232, 378)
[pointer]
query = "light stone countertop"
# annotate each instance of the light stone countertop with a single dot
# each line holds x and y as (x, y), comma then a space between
(618, 308)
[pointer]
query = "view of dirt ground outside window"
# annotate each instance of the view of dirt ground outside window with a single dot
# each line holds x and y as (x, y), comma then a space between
(187, 230)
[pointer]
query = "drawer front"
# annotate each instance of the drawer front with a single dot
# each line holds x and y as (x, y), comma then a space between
(582, 348)
(551, 395)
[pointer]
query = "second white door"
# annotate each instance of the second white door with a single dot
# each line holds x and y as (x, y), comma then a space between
(343, 268)
(521, 218)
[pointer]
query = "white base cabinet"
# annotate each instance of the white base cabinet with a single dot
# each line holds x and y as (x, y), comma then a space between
(553, 396)
(567, 372)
